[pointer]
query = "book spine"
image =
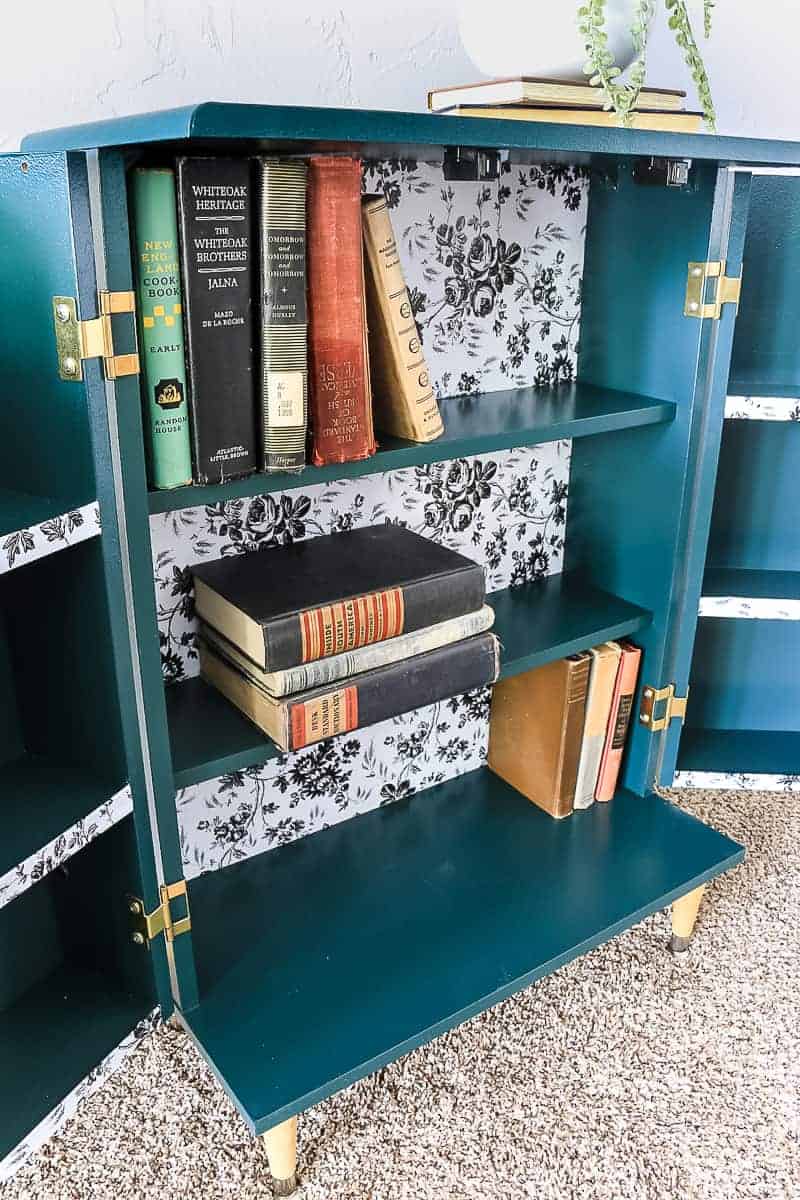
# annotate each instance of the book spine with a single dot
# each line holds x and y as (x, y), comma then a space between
(389, 691)
(332, 629)
(618, 722)
(341, 408)
(214, 204)
(574, 716)
(328, 670)
(403, 398)
(160, 318)
(284, 318)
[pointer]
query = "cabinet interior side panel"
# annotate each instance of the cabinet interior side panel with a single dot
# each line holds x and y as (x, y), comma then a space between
(745, 675)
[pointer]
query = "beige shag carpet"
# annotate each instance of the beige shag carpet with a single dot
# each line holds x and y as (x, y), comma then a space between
(627, 1075)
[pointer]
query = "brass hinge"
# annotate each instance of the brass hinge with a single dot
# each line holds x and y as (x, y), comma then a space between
(674, 707)
(726, 290)
(147, 926)
(78, 340)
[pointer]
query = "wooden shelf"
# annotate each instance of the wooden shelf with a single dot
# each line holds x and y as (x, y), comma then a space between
(762, 585)
(473, 425)
(740, 751)
(52, 1037)
(536, 623)
(347, 948)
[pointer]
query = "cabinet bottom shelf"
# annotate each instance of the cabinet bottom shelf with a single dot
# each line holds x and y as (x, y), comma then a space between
(739, 752)
(52, 1037)
(325, 959)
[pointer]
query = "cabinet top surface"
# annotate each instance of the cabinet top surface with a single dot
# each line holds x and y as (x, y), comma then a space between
(410, 131)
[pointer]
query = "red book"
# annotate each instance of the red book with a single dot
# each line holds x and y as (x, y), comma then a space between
(340, 400)
(618, 721)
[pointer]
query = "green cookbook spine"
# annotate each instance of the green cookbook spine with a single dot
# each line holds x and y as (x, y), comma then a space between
(160, 315)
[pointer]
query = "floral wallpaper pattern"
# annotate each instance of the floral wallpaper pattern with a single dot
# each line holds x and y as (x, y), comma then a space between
(761, 608)
(23, 546)
(762, 408)
(56, 852)
(493, 269)
(506, 510)
(56, 1120)
(708, 780)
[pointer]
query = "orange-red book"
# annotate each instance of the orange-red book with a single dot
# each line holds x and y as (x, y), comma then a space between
(340, 399)
(618, 721)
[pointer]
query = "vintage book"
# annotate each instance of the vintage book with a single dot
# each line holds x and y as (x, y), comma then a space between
(327, 670)
(331, 594)
(160, 316)
(284, 319)
(297, 721)
(340, 401)
(618, 721)
(402, 394)
(524, 89)
(536, 728)
(602, 680)
(216, 227)
(682, 122)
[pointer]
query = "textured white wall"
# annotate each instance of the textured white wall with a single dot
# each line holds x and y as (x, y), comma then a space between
(66, 62)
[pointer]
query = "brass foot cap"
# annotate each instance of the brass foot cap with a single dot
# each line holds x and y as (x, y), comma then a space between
(284, 1187)
(678, 944)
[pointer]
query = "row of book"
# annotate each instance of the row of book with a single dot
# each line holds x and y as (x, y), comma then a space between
(273, 313)
(331, 634)
(557, 733)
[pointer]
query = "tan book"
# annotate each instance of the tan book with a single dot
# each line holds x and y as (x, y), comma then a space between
(684, 122)
(403, 400)
(536, 728)
(526, 89)
(603, 677)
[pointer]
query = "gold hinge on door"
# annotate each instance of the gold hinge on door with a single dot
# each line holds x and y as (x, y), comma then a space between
(147, 926)
(725, 289)
(78, 340)
(674, 707)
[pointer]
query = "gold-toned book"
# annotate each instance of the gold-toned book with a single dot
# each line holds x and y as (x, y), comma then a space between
(536, 730)
(527, 89)
(658, 122)
(402, 396)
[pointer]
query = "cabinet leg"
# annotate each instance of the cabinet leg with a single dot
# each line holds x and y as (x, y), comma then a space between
(684, 915)
(281, 1146)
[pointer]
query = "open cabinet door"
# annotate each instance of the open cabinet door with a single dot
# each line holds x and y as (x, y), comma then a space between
(73, 988)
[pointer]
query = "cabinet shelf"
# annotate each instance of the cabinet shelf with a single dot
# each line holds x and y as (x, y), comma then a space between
(740, 751)
(52, 1038)
(386, 931)
(536, 623)
(761, 585)
(473, 425)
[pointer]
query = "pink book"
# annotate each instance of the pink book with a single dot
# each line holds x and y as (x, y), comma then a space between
(619, 718)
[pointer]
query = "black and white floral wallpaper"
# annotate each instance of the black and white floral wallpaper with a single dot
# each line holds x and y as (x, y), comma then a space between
(494, 272)
(23, 546)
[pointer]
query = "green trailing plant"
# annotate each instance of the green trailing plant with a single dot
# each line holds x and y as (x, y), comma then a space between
(603, 72)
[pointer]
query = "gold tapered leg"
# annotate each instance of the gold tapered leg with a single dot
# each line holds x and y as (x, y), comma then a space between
(281, 1146)
(684, 915)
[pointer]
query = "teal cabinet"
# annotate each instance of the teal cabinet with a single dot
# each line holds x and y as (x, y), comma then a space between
(304, 967)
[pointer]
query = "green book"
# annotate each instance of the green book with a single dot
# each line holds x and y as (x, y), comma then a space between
(160, 309)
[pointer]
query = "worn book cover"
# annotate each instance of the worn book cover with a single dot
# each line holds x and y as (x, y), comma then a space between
(535, 731)
(284, 320)
(618, 720)
(329, 595)
(341, 666)
(402, 394)
(216, 227)
(340, 400)
(297, 721)
(159, 307)
(602, 681)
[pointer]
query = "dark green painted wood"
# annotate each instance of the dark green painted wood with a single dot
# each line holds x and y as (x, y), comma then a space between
(746, 675)
(740, 751)
(12, 744)
(754, 524)
(379, 131)
(768, 585)
(473, 425)
(755, 388)
(632, 493)
(41, 414)
(327, 958)
(536, 623)
(766, 348)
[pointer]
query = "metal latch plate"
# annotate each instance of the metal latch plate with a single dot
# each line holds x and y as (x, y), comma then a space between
(674, 707)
